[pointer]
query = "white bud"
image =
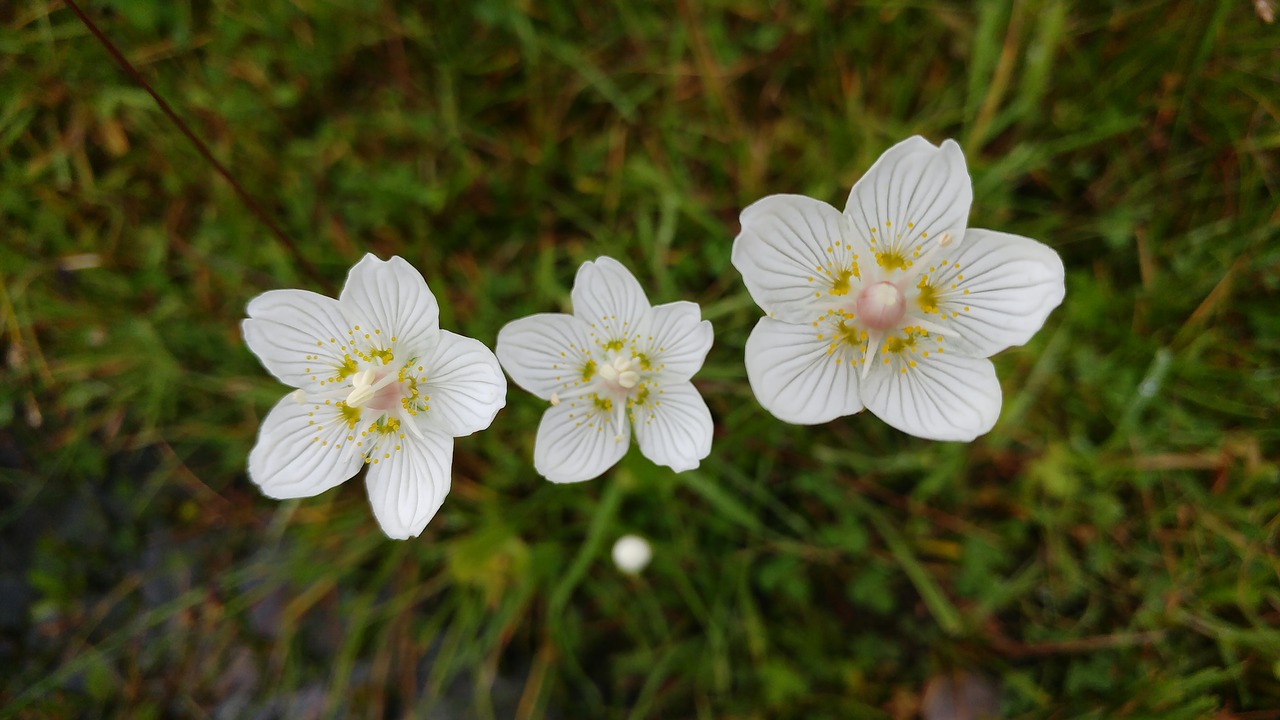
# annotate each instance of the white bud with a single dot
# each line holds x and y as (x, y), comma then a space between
(631, 553)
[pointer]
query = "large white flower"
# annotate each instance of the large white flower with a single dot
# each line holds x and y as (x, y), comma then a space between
(615, 363)
(891, 305)
(378, 383)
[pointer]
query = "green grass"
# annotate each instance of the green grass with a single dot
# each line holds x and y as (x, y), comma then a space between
(1109, 550)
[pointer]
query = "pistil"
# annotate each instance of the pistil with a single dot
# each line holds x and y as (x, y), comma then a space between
(881, 305)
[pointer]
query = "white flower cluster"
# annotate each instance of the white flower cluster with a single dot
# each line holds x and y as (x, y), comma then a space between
(892, 305)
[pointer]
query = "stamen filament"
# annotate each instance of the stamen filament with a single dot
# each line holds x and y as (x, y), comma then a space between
(619, 417)
(933, 327)
(873, 346)
(407, 419)
(363, 388)
(944, 241)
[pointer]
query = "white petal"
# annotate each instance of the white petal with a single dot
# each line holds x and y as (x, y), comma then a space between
(576, 442)
(464, 384)
(673, 427)
(677, 340)
(391, 297)
(296, 335)
(408, 488)
(1010, 285)
(945, 397)
(545, 353)
(911, 196)
(795, 377)
(609, 298)
(791, 253)
(298, 453)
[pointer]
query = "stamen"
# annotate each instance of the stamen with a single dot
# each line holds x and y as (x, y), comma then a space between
(944, 241)
(299, 396)
(934, 328)
(407, 420)
(619, 417)
(873, 346)
(555, 399)
(361, 388)
(618, 372)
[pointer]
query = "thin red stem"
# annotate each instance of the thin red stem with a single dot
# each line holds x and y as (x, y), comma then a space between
(200, 147)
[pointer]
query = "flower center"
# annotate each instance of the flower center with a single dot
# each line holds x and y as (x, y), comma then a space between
(381, 392)
(620, 373)
(619, 377)
(881, 306)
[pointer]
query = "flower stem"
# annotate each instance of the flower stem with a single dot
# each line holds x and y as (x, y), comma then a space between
(203, 149)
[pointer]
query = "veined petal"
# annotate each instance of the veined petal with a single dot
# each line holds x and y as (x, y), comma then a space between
(609, 298)
(390, 299)
(296, 334)
(800, 375)
(798, 256)
(406, 489)
(464, 384)
(909, 198)
(676, 341)
(578, 441)
(673, 427)
(300, 451)
(943, 397)
(545, 353)
(995, 290)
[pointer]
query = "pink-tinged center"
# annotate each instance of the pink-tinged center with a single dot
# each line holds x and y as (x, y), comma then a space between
(388, 398)
(378, 390)
(881, 306)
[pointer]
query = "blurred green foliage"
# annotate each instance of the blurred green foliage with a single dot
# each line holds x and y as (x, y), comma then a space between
(1108, 551)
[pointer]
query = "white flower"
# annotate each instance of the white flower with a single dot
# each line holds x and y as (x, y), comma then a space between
(613, 364)
(631, 553)
(379, 383)
(892, 304)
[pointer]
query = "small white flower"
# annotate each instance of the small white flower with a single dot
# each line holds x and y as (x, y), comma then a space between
(632, 553)
(378, 383)
(615, 363)
(892, 304)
